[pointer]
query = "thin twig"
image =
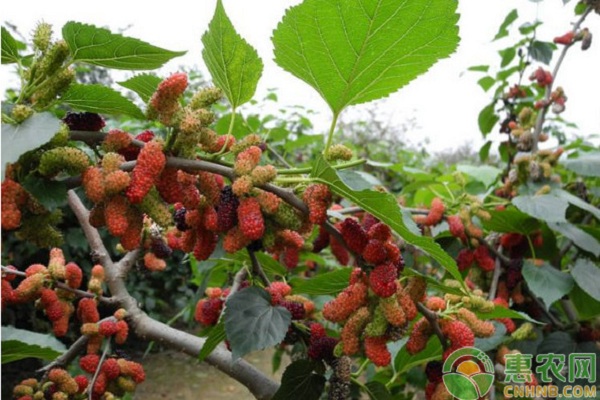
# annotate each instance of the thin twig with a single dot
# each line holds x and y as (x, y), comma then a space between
(238, 279)
(63, 286)
(257, 268)
(278, 157)
(542, 113)
(102, 358)
(495, 279)
(67, 357)
(433, 318)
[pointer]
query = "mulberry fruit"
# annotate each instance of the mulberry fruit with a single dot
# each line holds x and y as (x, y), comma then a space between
(115, 215)
(153, 263)
(348, 301)
(250, 218)
(458, 334)
(375, 252)
(376, 351)
(85, 121)
(318, 198)
(354, 235)
(208, 311)
(227, 209)
(150, 164)
(116, 140)
(418, 337)
(382, 280)
(93, 184)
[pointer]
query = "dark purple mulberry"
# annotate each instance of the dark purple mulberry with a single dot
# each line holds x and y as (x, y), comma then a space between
(85, 121)
(227, 209)
(179, 218)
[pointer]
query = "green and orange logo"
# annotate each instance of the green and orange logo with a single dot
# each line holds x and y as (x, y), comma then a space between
(468, 373)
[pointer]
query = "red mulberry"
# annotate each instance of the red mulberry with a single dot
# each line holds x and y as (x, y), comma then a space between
(418, 337)
(382, 280)
(375, 252)
(208, 311)
(150, 164)
(115, 215)
(318, 198)
(352, 329)
(348, 301)
(376, 351)
(250, 218)
(93, 184)
(354, 235)
(458, 334)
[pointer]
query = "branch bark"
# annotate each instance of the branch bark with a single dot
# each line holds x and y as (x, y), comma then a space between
(432, 318)
(260, 385)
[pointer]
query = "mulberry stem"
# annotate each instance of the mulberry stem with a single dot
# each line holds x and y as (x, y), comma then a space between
(330, 134)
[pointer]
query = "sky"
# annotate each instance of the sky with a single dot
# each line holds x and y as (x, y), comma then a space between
(445, 101)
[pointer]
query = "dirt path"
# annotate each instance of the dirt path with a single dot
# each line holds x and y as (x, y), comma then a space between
(177, 376)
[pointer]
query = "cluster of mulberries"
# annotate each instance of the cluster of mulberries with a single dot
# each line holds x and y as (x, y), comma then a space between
(368, 318)
(115, 376)
(542, 77)
(299, 306)
(150, 164)
(321, 346)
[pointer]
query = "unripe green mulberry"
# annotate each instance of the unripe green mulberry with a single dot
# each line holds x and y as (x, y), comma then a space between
(205, 98)
(21, 112)
(378, 324)
(338, 152)
(42, 36)
(68, 159)
(156, 208)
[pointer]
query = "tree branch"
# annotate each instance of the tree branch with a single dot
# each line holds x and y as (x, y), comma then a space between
(261, 386)
(257, 268)
(63, 286)
(67, 357)
(539, 122)
(432, 318)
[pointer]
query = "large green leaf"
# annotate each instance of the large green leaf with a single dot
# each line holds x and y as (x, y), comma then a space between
(587, 307)
(546, 207)
(10, 47)
(354, 51)
(99, 46)
(577, 202)
(487, 119)
(51, 194)
(31, 134)
(546, 282)
(377, 391)
(299, 382)
(587, 276)
(252, 323)
(330, 283)
(215, 336)
(233, 64)
(405, 361)
(19, 343)
(100, 99)
(503, 312)
(542, 51)
(580, 238)
(385, 207)
(587, 164)
(144, 85)
(485, 174)
(511, 220)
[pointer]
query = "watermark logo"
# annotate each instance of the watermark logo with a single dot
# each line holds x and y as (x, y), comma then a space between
(468, 373)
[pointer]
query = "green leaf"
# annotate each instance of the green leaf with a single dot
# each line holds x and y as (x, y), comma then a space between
(507, 56)
(99, 46)
(270, 265)
(484, 152)
(405, 361)
(577, 202)
(546, 207)
(587, 307)
(580, 8)
(31, 134)
(240, 127)
(377, 391)
(511, 220)
(587, 275)
(490, 343)
(433, 283)
(18, 344)
(508, 20)
(503, 312)
(580, 238)
(529, 27)
(385, 207)
(479, 68)
(358, 180)
(100, 99)
(10, 47)
(330, 283)
(233, 64)
(144, 85)
(51, 194)
(487, 119)
(546, 282)
(486, 83)
(252, 323)
(587, 164)
(299, 382)
(355, 51)
(485, 174)
(216, 336)
(541, 51)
